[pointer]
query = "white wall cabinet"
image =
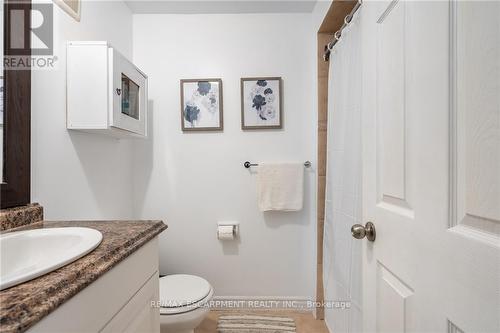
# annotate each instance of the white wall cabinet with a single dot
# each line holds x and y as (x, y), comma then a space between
(119, 301)
(106, 93)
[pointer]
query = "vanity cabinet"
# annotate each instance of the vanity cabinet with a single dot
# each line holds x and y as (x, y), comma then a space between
(122, 300)
(106, 93)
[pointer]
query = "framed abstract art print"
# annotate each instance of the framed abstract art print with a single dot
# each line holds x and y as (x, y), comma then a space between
(201, 105)
(261, 103)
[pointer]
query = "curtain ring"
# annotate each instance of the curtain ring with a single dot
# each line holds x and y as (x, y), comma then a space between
(337, 35)
(347, 19)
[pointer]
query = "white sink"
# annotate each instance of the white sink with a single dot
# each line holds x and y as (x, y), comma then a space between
(28, 254)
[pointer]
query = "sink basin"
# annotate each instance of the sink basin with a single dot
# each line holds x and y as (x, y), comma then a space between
(28, 254)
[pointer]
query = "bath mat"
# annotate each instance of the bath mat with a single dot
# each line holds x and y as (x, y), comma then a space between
(255, 324)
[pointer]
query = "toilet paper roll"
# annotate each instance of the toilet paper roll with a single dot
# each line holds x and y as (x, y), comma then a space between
(225, 232)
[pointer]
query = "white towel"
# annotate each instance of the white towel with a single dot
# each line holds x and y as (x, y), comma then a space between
(280, 186)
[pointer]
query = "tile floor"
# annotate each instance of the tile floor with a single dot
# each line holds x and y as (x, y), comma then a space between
(304, 320)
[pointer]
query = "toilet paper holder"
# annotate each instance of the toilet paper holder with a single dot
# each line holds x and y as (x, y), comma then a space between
(235, 229)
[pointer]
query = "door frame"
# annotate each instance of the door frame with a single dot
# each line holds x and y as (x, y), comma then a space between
(16, 182)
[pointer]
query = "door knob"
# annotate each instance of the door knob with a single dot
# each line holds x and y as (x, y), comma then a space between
(359, 232)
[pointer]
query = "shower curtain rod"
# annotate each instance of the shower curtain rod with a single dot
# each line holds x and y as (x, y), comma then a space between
(338, 34)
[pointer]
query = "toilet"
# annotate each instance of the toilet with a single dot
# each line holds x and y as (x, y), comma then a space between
(183, 302)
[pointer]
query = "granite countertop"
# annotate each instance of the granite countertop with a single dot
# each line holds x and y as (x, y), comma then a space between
(24, 305)
(20, 216)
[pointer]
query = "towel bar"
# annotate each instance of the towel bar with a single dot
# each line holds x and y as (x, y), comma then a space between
(247, 164)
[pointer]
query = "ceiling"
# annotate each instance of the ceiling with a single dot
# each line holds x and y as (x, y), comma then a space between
(220, 6)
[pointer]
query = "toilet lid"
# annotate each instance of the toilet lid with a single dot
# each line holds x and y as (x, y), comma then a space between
(181, 290)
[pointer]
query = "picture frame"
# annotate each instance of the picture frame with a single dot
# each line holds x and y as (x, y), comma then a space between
(261, 103)
(201, 105)
(71, 7)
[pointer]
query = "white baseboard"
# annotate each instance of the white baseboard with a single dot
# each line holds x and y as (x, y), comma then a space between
(267, 303)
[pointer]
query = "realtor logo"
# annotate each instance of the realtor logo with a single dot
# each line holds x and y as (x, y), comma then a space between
(39, 19)
(29, 36)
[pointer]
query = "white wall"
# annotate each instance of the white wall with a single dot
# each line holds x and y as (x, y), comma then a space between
(318, 14)
(193, 180)
(189, 180)
(77, 175)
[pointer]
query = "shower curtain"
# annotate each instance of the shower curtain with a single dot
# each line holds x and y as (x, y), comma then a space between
(342, 253)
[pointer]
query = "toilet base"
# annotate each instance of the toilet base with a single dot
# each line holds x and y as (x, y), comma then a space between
(183, 322)
(184, 319)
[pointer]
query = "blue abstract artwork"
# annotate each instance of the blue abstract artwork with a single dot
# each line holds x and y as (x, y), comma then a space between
(201, 104)
(261, 103)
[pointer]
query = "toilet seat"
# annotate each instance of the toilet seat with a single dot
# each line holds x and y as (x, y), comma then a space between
(181, 293)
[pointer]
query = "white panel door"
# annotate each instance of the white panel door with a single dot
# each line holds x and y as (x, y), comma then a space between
(431, 166)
